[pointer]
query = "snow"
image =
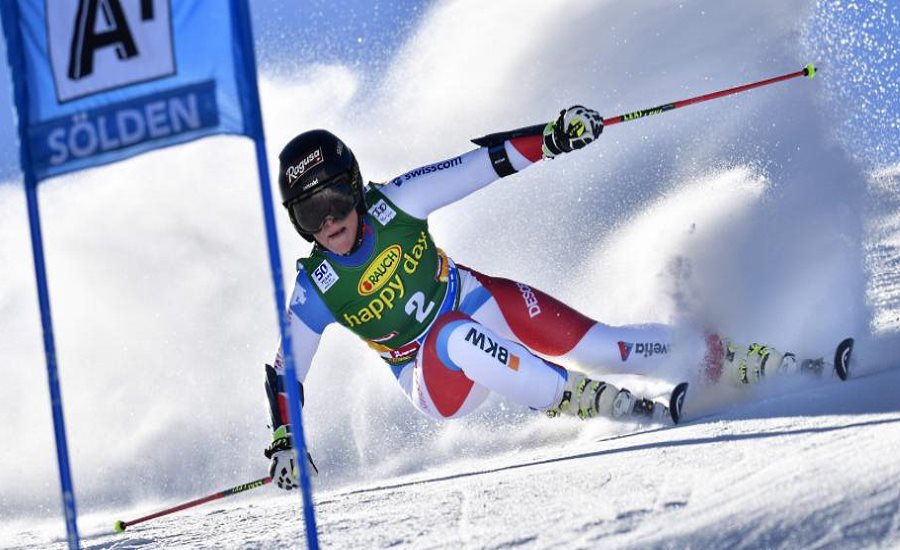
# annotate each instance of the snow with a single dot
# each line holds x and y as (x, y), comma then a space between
(757, 214)
(810, 466)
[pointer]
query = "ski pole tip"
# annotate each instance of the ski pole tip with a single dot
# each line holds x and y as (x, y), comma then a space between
(809, 70)
(119, 526)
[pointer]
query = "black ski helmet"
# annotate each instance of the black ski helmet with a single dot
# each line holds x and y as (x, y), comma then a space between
(318, 175)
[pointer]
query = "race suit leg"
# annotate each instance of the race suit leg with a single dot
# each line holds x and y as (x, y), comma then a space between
(492, 342)
(461, 361)
(554, 330)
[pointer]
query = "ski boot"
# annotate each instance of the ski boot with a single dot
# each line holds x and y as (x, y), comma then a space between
(841, 363)
(586, 398)
(742, 365)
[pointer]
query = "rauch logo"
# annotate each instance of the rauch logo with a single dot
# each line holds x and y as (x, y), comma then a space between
(380, 271)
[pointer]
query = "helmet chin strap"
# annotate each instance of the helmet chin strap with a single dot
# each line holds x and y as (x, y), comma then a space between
(359, 233)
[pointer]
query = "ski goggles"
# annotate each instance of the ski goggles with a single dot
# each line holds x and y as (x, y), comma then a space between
(336, 201)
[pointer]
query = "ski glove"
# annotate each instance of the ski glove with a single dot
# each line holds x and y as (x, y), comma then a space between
(576, 127)
(283, 469)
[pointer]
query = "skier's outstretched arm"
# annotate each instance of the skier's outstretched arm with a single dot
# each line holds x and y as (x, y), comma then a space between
(308, 316)
(422, 191)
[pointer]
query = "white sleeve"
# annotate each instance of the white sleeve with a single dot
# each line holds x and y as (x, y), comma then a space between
(304, 342)
(307, 318)
(421, 191)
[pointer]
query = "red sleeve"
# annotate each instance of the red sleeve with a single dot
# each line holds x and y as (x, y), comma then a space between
(529, 146)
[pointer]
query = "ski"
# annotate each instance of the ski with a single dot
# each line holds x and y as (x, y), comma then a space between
(841, 364)
(662, 411)
(842, 358)
(676, 401)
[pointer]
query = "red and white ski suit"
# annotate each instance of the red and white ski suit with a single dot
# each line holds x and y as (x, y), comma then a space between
(503, 336)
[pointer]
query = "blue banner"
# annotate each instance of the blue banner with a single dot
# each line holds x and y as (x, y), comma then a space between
(98, 81)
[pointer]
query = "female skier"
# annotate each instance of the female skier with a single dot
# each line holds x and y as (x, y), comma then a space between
(450, 334)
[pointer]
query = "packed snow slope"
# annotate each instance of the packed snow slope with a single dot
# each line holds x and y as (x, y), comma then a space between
(771, 215)
(812, 466)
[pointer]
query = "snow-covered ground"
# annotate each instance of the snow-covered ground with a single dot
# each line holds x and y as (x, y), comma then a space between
(812, 465)
(771, 216)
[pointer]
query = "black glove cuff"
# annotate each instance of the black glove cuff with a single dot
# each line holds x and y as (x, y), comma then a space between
(280, 444)
(557, 142)
(559, 134)
(550, 145)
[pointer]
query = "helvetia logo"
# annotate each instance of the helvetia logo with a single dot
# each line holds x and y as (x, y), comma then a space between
(380, 271)
(625, 349)
(645, 349)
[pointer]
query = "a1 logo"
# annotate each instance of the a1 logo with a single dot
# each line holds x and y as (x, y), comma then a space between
(99, 45)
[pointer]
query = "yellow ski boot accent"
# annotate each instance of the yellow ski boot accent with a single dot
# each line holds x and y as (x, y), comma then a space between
(580, 397)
